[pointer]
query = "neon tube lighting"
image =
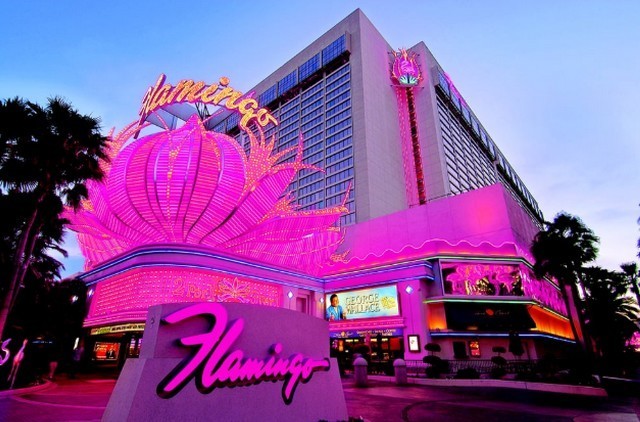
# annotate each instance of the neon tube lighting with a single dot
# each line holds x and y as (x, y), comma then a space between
(476, 334)
(192, 186)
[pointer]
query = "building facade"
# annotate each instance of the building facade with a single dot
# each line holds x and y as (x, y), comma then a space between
(436, 224)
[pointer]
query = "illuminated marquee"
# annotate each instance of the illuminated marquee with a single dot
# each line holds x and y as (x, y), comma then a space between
(220, 94)
(196, 187)
(128, 295)
(368, 303)
(500, 280)
(120, 328)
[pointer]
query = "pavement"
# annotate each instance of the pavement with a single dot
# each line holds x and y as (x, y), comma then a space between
(85, 399)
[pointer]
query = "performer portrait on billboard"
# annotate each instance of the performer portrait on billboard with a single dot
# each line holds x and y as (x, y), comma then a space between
(335, 311)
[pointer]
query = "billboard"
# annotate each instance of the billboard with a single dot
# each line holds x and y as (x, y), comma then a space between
(362, 303)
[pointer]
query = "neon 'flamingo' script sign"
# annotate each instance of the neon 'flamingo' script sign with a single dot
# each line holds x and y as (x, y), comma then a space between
(215, 365)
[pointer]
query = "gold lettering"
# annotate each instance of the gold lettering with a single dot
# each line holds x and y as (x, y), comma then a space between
(159, 97)
(223, 94)
(231, 102)
(207, 94)
(149, 97)
(176, 90)
(145, 102)
(264, 118)
(247, 108)
(162, 94)
(189, 90)
(195, 92)
(244, 107)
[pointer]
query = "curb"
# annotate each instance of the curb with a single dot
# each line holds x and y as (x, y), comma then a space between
(27, 390)
(578, 390)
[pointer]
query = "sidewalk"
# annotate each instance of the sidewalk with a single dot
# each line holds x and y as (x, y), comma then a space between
(85, 399)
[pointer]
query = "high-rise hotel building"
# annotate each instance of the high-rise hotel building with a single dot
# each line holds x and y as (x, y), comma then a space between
(338, 94)
(437, 224)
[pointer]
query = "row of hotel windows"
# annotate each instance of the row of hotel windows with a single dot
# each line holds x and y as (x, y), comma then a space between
(482, 138)
(304, 71)
(467, 167)
(320, 113)
(312, 66)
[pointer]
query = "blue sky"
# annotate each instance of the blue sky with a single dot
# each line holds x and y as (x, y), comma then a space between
(556, 84)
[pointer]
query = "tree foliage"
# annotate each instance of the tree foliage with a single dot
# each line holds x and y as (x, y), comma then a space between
(563, 248)
(560, 251)
(47, 154)
(611, 313)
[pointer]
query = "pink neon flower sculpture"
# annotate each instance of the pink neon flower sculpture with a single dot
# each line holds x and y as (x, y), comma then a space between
(195, 187)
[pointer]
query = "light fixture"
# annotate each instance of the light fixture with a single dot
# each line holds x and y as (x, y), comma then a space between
(321, 300)
(409, 289)
(290, 294)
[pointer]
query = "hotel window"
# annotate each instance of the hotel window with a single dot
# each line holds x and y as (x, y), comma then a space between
(338, 156)
(466, 114)
(338, 73)
(338, 108)
(317, 157)
(311, 132)
(232, 121)
(314, 141)
(337, 117)
(456, 101)
(339, 188)
(313, 91)
(338, 127)
(442, 82)
(288, 106)
(311, 188)
(345, 143)
(310, 147)
(334, 49)
(332, 86)
(288, 82)
(339, 166)
(339, 177)
(310, 115)
(347, 219)
(483, 137)
(311, 107)
(475, 126)
(335, 137)
(309, 67)
(219, 127)
(339, 98)
(311, 123)
(313, 177)
(492, 149)
(287, 121)
(268, 96)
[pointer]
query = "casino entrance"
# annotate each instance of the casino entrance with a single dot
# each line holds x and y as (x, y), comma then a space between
(378, 347)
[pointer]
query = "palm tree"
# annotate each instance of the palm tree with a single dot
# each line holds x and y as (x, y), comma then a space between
(46, 157)
(611, 314)
(560, 251)
(630, 269)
